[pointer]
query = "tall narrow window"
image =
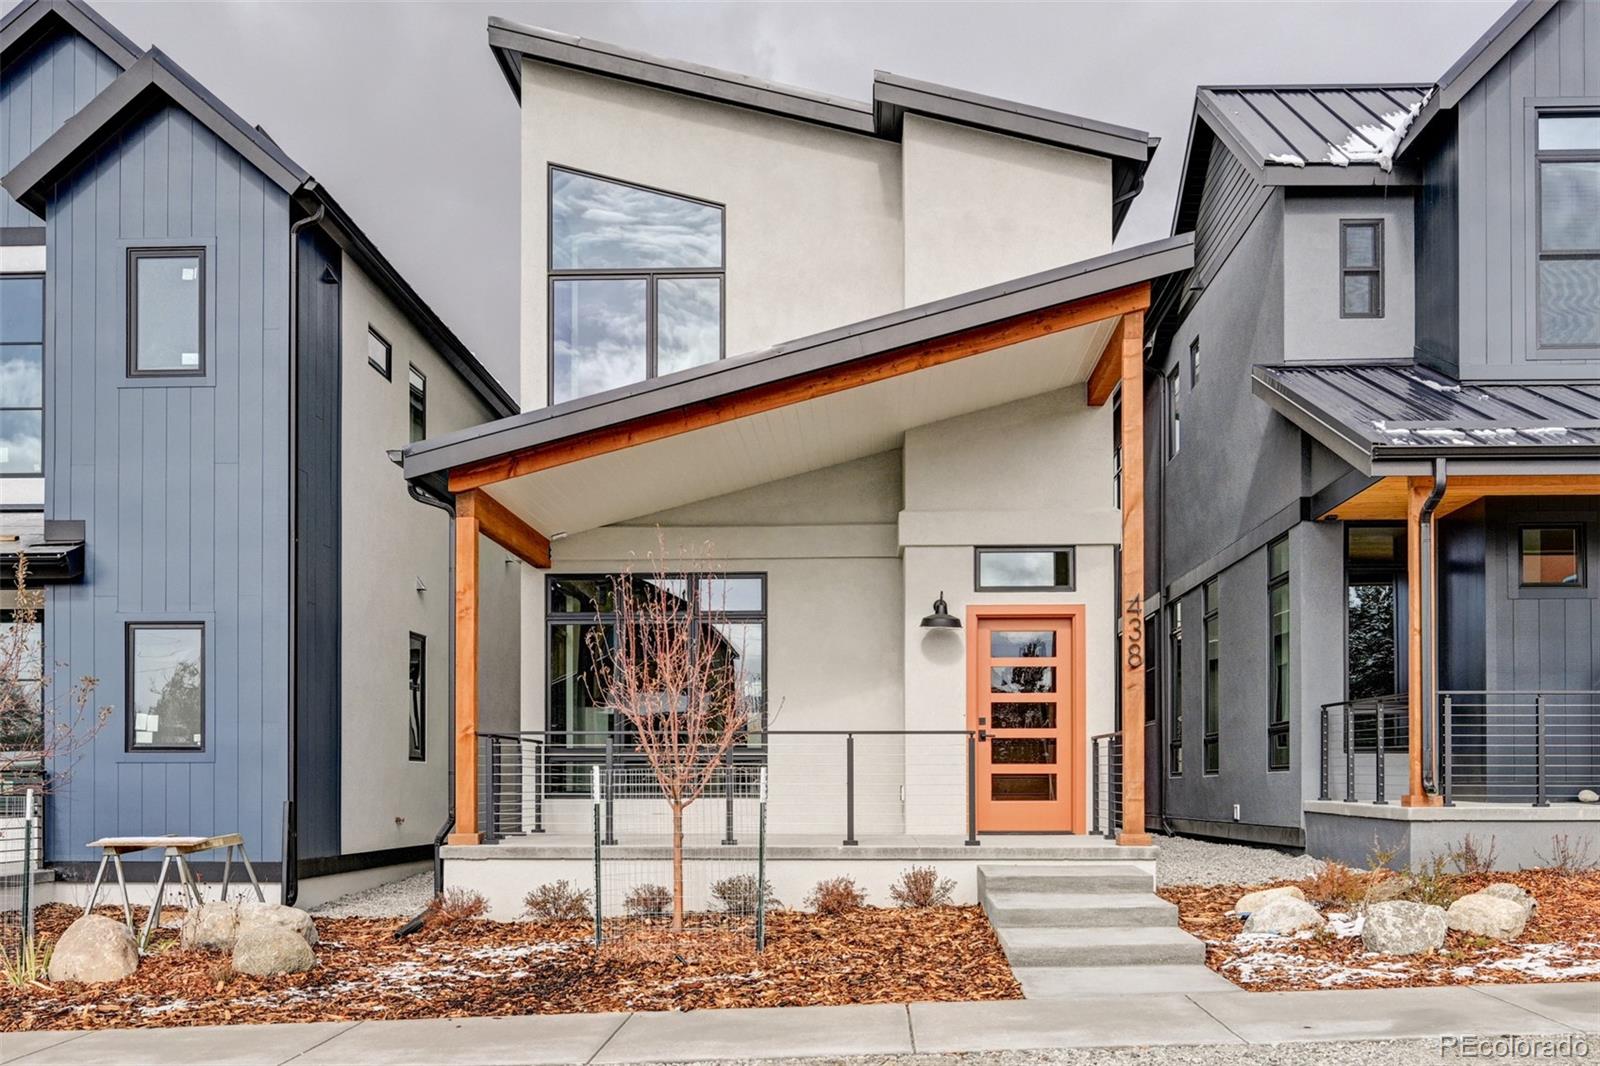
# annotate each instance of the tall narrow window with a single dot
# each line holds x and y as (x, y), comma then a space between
(418, 403)
(21, 375)
(1361, 268)
(1194, 363)
(417, 684)
(1568, 159)
(166, 686)
(1174, 415)
(22, 729)
(1152, 673)
(636, 283)
(166, 312)
(1279, 702)
(1213, 694)
(1116, 455)
(1175, 711)
(380, 353)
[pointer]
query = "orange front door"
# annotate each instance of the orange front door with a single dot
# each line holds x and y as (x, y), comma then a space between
(1025, 701)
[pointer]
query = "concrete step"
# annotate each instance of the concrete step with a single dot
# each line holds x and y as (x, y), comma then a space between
(1106, 946)
(1078, 982)
(1014, 907)
(1073, 878)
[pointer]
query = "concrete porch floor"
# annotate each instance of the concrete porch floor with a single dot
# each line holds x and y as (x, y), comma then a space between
(1064, 847)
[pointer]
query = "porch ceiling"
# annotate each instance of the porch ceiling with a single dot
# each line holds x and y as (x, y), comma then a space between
(1385, 499)
(769, 445)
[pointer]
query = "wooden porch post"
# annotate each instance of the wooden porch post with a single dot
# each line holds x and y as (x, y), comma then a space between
(1130, 333)
(1417, 491)
(466, 667)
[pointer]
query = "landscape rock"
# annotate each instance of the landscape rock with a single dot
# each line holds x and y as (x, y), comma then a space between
(93, 950)
(1484, 915)
(1400, 927)
(1390, 888)
(269, 949)
(1515, 893)
(210, 927)
(1284, 915)
(253, 915)
(1250, 902)
(1589, 795)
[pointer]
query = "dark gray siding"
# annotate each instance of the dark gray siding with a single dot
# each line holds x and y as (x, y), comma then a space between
(1560, 58)
(317, 626)
(40, 91)
(1540, 638)
(183, 485)
(1438, 261)
(1229, 204)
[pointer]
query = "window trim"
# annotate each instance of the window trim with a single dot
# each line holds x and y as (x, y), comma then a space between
(1536, 110)
(1021, 549)
(651, 278)
(1194, 361)
(1375, 272)
(1274, 728)
(387, 369)
(44, 428)
(1174, 380)
(131, 339)
(1211, 740)
(129, 745)
(1580, 550)
(417, 690)
(416, 400)
(1175, 690)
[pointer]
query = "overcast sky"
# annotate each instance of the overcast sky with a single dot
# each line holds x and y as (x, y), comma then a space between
(401, 111)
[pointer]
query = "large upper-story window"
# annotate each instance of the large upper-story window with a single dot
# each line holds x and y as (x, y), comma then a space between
(636, 283)
(166, 312)
(21, 375)
(1569, 230)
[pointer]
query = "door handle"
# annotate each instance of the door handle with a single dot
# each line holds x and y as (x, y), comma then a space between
(983, 735)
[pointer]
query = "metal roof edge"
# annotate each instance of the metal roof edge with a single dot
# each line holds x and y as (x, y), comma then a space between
(803, 355)
(1311, 419)
(24, 24)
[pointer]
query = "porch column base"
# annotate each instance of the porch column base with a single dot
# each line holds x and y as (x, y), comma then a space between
(1134, 840)
(1421, 799)
(464, 838)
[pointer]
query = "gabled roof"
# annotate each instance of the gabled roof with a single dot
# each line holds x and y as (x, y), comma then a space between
(1374, 412)
(29, 22)
(893, 97)
(1312, 134)
(155, 81)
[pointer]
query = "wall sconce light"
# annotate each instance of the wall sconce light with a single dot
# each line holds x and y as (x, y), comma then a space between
(941, 618)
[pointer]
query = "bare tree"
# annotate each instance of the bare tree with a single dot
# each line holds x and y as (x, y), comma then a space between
(34, 728)
(675, 674)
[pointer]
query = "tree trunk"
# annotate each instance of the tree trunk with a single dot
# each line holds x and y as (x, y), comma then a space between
(677, 868)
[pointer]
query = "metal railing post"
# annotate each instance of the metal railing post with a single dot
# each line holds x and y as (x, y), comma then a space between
(610, 789)
(1349, 754)
(1094, 789)
(1378, 766)
(1539, 764)
(1322, 771)
(727, 786)
(849, 790)
(1447, 757)
(594, 798)
(972, 791)
(491, 811)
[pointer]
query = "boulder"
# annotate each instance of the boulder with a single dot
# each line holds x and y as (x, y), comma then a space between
(1251, 901)
(1284, 915)
(268, 949)
(93, 950)
(254, 915)
(210, 927)
(1399, 927)
(1484, 915)
(1588, 795)
(1516, 893)
(1393, 887)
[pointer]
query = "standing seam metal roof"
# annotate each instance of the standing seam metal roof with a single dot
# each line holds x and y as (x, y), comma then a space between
(1314, 125)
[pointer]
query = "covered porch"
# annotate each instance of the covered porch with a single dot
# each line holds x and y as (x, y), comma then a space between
(844, 483)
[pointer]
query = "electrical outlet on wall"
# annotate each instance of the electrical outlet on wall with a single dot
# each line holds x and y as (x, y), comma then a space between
(1236, 812)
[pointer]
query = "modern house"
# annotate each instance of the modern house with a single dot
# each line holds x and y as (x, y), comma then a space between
(1373, 582)
(206, 366)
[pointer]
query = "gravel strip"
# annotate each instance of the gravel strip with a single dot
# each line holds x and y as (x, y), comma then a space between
(1186, 861)
(397, 899)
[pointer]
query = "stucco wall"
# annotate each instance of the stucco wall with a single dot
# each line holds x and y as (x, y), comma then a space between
(981, 207)
(391, 544)
(1312, 328)
(813, 221)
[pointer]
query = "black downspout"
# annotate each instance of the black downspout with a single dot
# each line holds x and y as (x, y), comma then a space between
(289, 878)
(1429, 578)
(422, 495)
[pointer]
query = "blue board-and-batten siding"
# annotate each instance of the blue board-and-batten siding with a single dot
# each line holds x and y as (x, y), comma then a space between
(183, 484)
(39, 91)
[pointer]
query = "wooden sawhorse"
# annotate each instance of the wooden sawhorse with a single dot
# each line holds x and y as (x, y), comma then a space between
(176, 850)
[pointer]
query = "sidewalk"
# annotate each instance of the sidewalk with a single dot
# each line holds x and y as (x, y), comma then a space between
(879, 1029)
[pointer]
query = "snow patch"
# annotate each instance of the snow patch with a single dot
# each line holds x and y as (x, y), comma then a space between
(1287, 159)
(1436, 386)
(1377, 144)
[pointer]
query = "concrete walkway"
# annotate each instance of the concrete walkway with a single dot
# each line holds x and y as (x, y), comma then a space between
(879, 1029)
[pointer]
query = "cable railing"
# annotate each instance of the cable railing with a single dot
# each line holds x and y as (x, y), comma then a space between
(1365, 745)
(836, 785)
(1508, 746)
(1105, 795)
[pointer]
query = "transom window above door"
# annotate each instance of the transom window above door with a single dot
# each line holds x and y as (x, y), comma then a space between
(636, 283)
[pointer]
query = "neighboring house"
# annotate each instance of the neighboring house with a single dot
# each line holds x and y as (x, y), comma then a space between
(1376, 457)
(207, 366)
(861, 354)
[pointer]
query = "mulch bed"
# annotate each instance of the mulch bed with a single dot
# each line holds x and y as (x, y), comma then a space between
(475, 968)
(1561, 942)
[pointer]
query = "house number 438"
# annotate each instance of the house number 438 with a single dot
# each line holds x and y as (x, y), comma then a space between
(1133, 632)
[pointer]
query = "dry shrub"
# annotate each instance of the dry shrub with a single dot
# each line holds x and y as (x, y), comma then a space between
(921, 886)
(1471, 857)
(839, 895)
(1567, 857)
(219, 973)
(456, 905)
(558, 901)
(737, 894)
(1336, 883)
(1433, 884)
(648, 901)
